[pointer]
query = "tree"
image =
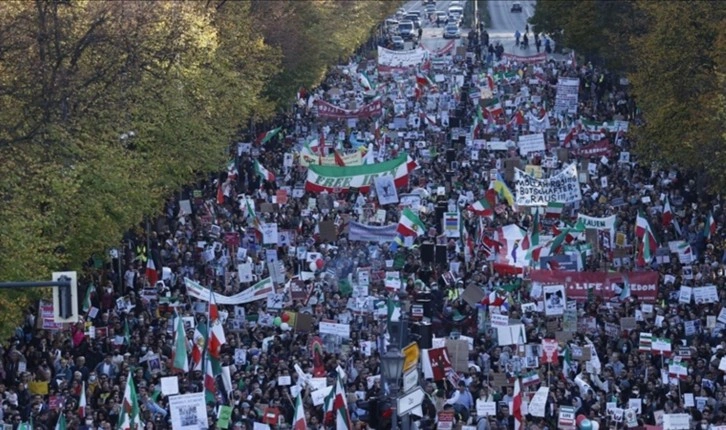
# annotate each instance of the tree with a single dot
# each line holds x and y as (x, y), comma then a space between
(107, 107)
(676, 85)
(312, 36)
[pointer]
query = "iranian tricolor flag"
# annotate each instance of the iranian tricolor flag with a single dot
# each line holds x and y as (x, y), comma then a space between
(267, 136)
(200, 342)
(216, 334)
(667, 213)
(493, 106)
(210, 381)
(82, 403)
(530, 378)
(645, 343)
(554, 210)
(129, 418)
(710, 228)
(298, 419)
(61, 423)
(482, 208)
(364, 81)
(340, 407)
(180, 354)
(567, 364)
(517, 405)
(264, 173)
(341, 179)
(151, 274)
(410, 224)
(647, 243)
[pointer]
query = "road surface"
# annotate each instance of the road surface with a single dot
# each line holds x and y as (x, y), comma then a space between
(504, 23)
(432, 37)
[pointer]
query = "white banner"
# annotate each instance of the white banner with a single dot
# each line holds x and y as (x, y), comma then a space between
(188, 412)
(538, 402)
(560, 188)
(401, 59)
(342, 330)
(256, 292)
(531, 143)
(607, 223)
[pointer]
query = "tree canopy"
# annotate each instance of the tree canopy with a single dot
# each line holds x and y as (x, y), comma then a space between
(673, 55)
(108, 107)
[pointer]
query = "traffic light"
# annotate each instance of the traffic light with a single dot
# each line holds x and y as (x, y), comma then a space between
(65, 298)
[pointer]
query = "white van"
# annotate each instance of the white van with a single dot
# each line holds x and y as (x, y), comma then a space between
(456, 10)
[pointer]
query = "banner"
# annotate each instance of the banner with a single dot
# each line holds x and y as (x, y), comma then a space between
(259, 291)
(598, 149)
(341, 179)
(329, 110)
(441, 51)
(370, 233)
(389, 60)
(531, 59)
(567, 93)
(307, 158)
(607, 223)
(644, 285)
(188, 411)
(560, 188)
(531, 143)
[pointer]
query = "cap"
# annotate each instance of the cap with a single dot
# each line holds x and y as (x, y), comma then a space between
(245, 405)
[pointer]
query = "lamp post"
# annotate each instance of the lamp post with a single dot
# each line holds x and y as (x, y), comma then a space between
(392, 369)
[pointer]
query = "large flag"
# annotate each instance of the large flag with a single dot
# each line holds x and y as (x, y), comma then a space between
(264, 173)
(341, 179)
(482, 208)
(180, 354)
(298, 418)
(517, 405)
(266, 137)
(151, 274)
(410, 224)
(554, 210)
(129, 418)
(641, 225)
(210, 381)
(531, 239)
(82, 403)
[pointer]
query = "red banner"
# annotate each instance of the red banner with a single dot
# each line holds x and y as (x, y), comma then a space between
(530, 59)
(598, 149)
(644, 285)
(328, 110)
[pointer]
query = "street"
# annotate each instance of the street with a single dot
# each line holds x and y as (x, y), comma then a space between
(504, 23)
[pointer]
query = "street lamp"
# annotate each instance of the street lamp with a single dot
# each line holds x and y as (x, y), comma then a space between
(392, 370)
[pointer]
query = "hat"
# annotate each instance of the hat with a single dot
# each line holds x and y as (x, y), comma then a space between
(245, 405)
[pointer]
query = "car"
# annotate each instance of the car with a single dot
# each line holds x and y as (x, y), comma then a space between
(456, 10)
(398, 43)
(414, 18)
(453, 19)
(441, 15)
(516, 7)
(427, 2)
(406, 30)
(400, 13)
(391, 23)
(430, 9)
(452, 31)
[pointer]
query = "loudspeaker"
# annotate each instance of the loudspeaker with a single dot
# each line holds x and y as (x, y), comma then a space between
(450, 155)
(427, 252)
(441, 255)
(425, 333)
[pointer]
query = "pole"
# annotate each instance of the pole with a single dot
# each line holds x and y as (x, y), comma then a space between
(393, 393)
(476, 15)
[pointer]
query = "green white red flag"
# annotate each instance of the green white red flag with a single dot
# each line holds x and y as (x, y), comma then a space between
(264, 173)
(341, 179)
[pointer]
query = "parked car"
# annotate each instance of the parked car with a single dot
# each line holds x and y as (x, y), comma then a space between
(398, 43)
(433, 2)
(452, 31)
(430, 9)
(406, 30)
(516, 7)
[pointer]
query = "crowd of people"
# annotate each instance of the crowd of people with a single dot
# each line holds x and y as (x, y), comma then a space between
(341, 258)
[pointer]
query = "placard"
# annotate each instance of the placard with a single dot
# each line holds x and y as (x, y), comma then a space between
(531, 143)
(560, 188)
(188, 411)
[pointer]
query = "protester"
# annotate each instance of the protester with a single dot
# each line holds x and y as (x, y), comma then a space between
(630, 256)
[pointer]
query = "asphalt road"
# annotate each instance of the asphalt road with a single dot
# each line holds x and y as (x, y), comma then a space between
(432, 36)
(504, 23)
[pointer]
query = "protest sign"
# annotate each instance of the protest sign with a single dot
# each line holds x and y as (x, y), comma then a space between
(560, 188)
